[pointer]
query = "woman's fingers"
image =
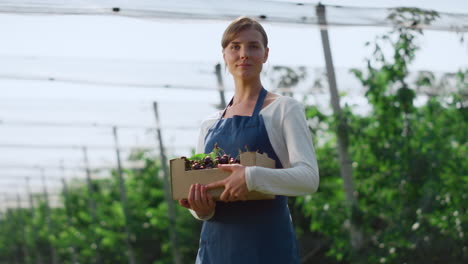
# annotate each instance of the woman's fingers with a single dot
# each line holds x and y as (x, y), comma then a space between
(206, 198)
(231, 194)
(184, 203)
(191, 195)
(194, 201)
(199, 199)
(211, 202)
(203, 196)
(235, 186)
(225, 196)
(197, 193)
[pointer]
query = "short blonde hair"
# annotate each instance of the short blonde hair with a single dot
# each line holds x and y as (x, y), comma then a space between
(240, 24)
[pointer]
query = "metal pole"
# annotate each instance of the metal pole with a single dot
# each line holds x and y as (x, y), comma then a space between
(67, 210)
(48, 218)
(123, 200)
(219, 77)
(356, 235)
(177, 258)
(91, 204)
(13, 254)
(24, 246)
(34, 230)
(3, 220)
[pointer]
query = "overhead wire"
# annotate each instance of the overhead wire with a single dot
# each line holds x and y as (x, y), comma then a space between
(33, 123)
(107, 83)
(58, 168)
(296, 13)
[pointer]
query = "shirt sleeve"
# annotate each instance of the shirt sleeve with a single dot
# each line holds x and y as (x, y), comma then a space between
(302, 177)
(208, 217)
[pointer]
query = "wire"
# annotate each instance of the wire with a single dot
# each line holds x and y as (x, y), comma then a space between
(104, 83)
(276, 12)
(111, 104)
(58, 168)
(87, 125)
(39, 177)
(39, 146)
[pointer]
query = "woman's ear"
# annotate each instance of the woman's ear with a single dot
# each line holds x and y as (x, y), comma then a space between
(267, 50)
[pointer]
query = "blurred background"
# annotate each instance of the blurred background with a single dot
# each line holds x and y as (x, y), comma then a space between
(95, 98)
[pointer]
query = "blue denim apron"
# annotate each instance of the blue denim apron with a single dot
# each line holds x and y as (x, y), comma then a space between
(247, 232)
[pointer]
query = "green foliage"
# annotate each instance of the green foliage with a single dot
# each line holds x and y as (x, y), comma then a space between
(409, 163)
(285, 78)
(216, 152)
(409, 169)
(75, 230)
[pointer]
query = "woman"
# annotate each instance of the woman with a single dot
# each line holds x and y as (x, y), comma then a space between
(235, 230)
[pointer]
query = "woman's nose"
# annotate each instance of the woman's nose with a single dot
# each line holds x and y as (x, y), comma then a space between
(244, 54)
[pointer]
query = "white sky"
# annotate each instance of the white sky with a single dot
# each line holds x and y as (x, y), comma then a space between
(143, 52)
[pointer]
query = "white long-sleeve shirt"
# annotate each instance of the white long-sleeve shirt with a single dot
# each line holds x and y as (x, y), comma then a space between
(290, 138)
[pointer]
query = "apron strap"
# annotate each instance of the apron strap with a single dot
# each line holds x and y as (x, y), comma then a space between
(224, 112)
(258, 105)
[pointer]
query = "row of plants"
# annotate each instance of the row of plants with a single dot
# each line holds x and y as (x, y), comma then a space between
(409, 169)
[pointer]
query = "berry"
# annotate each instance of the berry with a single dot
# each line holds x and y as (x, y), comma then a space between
(195, 166)
(224, 159)
(207, 160)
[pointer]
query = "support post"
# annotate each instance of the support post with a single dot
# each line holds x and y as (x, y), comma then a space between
(356, 235)
(13, 256)
(50, 224)
(92, 204)
(36, 250)
(24, 245)
(177, 258)
(67, 211)
(123, 200)
(221, 89)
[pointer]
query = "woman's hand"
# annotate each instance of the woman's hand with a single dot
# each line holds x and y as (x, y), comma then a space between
(199, 200)
(235, 187)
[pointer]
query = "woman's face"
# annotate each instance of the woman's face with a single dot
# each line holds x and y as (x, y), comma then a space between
(245, 54)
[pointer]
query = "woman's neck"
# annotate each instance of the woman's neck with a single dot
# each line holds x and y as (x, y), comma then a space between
(246, 91)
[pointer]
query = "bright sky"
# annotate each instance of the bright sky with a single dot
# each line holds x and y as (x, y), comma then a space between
(148, 52)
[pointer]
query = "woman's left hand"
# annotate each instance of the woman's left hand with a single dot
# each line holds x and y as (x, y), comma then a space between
(235, 187)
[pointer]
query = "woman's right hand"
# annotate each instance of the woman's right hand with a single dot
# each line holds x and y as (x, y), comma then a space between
(199, 200)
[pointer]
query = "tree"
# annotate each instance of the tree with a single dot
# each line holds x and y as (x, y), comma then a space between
(405, 182)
